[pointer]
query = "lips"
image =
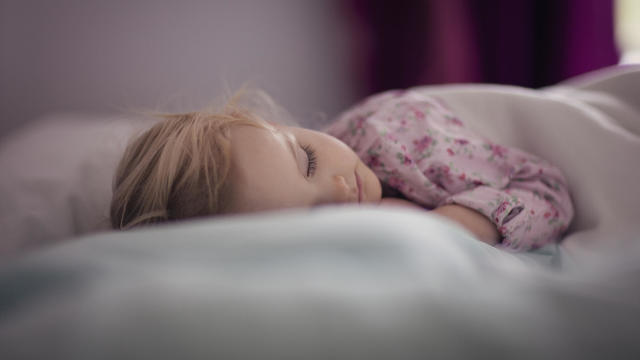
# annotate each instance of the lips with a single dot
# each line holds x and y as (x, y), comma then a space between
(359, 186)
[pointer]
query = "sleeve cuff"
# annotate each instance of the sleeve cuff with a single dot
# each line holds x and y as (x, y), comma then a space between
(523, 220)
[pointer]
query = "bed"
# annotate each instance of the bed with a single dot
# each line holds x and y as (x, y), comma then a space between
(336, 282)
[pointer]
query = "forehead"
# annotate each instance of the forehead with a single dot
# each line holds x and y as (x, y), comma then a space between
(256, 150)
(251, 146)
(264, 174)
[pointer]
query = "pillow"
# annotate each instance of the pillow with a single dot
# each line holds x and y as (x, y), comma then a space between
(56, 178)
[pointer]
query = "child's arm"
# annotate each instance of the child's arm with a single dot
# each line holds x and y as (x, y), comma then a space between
(473, 221)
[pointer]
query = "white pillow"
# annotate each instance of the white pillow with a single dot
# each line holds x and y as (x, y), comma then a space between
(56, 178)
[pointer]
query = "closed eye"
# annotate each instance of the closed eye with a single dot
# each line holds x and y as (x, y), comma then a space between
(312, 161)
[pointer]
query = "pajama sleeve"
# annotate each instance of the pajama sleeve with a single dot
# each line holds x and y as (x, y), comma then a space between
(533, 209)
(418, 147)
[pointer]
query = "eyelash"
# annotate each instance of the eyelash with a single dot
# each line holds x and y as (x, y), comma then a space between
(312, 161)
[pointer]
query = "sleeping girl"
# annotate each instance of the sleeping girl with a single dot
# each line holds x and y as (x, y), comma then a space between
(397, 148)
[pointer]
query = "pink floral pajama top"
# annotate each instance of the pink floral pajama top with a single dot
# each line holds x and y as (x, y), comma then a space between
(421, 151)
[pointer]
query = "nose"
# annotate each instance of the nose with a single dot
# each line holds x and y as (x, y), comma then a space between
(343, 191)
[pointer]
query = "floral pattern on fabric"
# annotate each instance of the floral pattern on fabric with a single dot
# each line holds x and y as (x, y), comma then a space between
(417, 146)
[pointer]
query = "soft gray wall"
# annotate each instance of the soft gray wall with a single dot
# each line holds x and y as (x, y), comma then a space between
(103, 56)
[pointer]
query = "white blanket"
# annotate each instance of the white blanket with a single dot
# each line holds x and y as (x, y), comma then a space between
(337, 283)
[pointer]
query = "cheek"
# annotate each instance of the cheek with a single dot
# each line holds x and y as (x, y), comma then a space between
(373, 188)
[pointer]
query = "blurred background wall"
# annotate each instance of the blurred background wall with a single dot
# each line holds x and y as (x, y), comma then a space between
(105, 56)
(312, 56)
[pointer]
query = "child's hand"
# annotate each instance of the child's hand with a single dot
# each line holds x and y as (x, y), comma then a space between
(399, 203)
(470, 219)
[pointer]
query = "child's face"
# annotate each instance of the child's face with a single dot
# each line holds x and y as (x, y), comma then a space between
(285, 167)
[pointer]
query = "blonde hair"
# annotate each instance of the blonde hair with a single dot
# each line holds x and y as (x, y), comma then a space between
(179, 168)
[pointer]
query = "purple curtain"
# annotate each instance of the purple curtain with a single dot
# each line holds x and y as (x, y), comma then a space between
(530, 43)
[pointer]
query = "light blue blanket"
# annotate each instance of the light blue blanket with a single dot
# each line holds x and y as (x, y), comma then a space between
(335, 283)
